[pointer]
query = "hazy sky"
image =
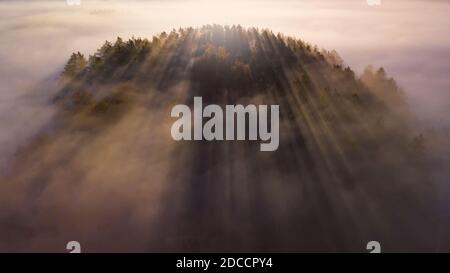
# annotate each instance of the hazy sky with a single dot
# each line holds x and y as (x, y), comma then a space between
(409, 38)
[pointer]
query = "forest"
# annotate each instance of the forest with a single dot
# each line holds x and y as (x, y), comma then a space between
(350, 166)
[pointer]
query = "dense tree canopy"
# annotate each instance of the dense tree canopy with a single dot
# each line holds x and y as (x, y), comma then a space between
(347, 156)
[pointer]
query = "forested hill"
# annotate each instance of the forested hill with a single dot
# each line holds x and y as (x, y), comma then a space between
(243, 61)
(350, 168)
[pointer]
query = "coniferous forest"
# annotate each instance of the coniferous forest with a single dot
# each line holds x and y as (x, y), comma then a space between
(350, 167)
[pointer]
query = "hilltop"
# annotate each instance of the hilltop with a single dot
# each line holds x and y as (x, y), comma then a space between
(349, 168)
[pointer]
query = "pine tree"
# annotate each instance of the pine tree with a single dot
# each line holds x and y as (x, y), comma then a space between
(75, 65)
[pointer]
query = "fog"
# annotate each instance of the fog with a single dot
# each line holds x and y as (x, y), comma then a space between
(408, 38)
